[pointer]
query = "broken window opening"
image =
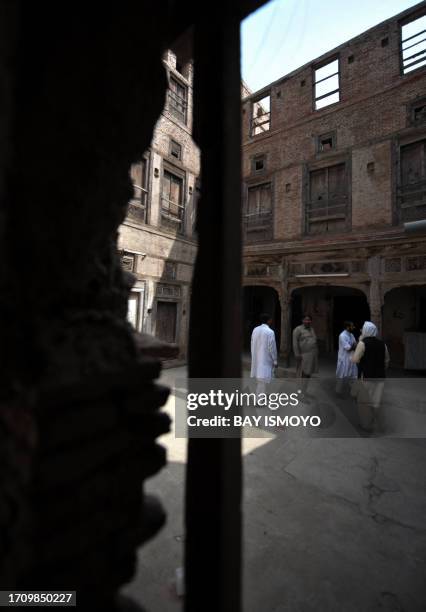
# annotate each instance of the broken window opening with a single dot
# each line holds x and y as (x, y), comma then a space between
(172, 207)
(413, 44)
(327, 205)
(326, 142)
(326, 84)
(412, 188)
(175, 150)
(128, 261)
(418, 113)
(258, 164)
(261, 115)
(257, 219)
(177, 99)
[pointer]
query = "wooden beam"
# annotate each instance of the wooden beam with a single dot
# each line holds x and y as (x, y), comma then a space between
(213, 488)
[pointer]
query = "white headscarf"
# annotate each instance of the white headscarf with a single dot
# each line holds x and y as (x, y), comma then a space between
(369, 330)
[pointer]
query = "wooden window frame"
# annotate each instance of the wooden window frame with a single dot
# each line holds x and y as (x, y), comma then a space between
(316, 67)
(254, 123)
(267, 215)
(256, 158)
(175, 144)
(307, 201)
(143, 201)
(402, 190)
(173, 100)
(180, 175)
(412, 17)
(328, 135)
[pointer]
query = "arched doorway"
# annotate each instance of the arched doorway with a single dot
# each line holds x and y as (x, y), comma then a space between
(329, 307)
(404, 326)
(258, 299)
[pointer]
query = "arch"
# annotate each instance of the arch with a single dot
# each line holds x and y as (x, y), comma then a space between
(388, 287)
(259, 298)
(404, 322)
(329, 305)
(260, 282)
(362, 287)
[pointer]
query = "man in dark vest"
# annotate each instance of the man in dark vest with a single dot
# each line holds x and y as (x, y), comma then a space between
(372, 357)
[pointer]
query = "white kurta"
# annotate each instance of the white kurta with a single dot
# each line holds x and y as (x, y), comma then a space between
(345, 367)
(263, 352)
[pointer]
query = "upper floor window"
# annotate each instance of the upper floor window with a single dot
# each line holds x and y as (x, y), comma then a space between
(175, 150)
(326, 142)
(260, 121)
(412, 183)
(326, 84)
(139, 200)
(327, 203)
(413, 44)
(258, 164)
(177, 99)
(172, 206)
(258, 213)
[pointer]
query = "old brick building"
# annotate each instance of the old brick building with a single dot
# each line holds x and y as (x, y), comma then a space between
(334, 164)
(156, 240)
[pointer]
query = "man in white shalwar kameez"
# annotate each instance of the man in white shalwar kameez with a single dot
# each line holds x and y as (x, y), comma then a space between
(263, 353)
(346, 370)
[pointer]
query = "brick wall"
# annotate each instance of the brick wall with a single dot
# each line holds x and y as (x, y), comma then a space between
(368, 122)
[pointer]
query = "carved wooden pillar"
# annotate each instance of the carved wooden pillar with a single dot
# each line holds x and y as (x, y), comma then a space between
(285, 344)
(213, 495)
(285, 300)
(376, 293)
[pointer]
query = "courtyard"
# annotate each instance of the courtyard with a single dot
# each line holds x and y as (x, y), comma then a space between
(330, 524)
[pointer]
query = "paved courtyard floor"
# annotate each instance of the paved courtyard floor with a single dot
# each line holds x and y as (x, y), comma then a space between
(330, 525)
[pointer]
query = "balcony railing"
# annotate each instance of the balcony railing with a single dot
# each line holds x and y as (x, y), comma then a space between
(142, 195)
(257, 226)
(412, 201)
(172, 214)
(328, 215)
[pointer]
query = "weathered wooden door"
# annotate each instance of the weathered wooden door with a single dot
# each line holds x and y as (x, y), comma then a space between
(165, 327)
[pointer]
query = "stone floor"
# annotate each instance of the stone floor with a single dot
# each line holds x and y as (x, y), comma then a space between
(333, 525)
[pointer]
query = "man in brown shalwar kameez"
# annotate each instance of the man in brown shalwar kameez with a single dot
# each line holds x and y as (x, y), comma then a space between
(306, 351)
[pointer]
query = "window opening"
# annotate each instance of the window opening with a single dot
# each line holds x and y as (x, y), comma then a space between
(326, 84)
(177, 99)
(172, 207)
(413, 44)
(327, 205)
(175, 150)
(258, 216)
(412, 189)
(261, 115)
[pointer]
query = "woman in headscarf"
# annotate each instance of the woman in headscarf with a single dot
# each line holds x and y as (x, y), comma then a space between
(372, 357)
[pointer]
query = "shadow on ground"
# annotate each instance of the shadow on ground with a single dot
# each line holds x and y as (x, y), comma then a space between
(330, 525)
